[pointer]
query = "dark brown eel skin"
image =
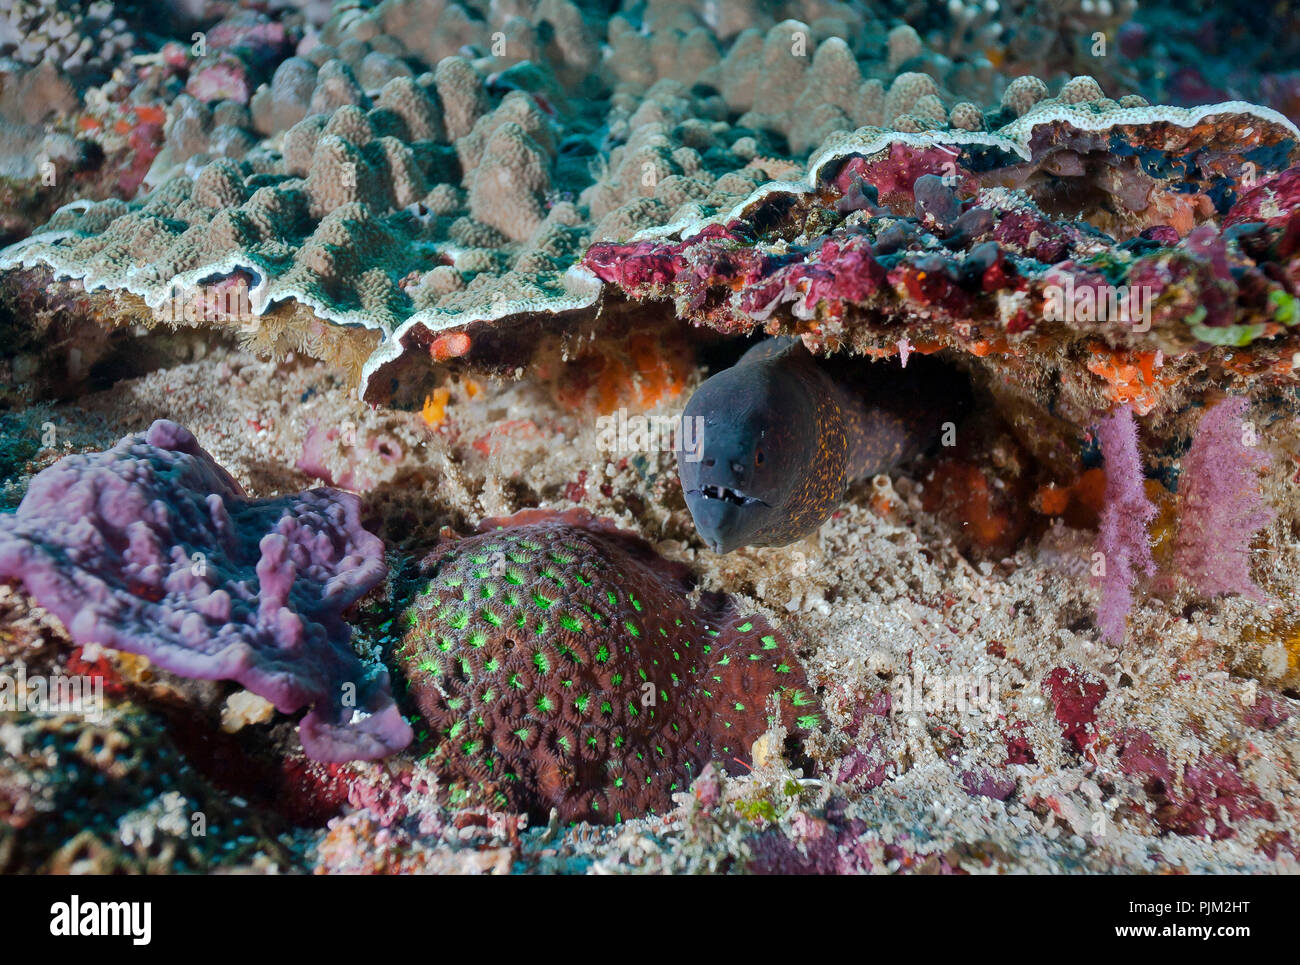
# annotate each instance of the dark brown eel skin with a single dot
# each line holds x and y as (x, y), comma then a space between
(769, 446)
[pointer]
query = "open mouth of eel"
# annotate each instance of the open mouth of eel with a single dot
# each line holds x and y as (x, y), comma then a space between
(726, 494)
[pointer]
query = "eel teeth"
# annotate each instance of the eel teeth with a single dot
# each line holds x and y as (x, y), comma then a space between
(734, 496)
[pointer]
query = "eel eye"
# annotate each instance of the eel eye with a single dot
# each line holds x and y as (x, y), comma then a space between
(758, 457)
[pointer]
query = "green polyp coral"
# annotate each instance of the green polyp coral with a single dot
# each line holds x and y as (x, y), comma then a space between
(579, 676)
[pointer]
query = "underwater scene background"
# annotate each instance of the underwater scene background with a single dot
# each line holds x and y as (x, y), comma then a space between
(539, 436)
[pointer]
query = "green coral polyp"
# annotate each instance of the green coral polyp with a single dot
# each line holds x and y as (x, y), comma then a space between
(543, 739)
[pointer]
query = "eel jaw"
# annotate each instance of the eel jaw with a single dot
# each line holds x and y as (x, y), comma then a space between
(725, 518)
(727, 494)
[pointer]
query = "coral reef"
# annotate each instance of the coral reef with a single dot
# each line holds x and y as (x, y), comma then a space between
(80, 38)
(152, 815)
(919, 240)
(477, 186)
(560, 664)
(471, 258)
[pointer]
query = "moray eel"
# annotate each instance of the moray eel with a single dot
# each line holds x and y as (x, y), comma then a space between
(769, 447)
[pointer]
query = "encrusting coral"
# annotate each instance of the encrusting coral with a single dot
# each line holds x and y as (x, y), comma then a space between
(561, 663)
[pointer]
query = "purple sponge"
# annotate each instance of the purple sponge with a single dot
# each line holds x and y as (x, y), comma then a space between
(153, 548)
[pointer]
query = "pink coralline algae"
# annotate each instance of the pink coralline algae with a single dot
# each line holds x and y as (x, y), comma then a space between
(239, 51)
(868, 764)
(152, 548)
(836, 843)
(223, 79)
(1075, 698)
(1209, 798)
(971, 241)
(337, 457)
(985, 783)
